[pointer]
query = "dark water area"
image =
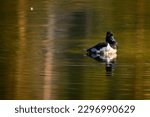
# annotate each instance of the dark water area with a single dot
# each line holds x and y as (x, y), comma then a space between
(42, 49)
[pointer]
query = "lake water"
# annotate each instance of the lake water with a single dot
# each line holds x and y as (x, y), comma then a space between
(42, 49)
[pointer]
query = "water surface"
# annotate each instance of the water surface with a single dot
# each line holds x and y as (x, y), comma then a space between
(42, 49)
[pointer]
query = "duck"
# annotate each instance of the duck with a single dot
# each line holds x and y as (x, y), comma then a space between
(106, 48)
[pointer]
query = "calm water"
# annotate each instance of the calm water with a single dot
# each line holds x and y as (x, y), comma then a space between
(42, 49)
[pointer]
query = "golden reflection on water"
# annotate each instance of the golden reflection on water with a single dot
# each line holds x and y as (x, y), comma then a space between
(20, 57)
(139, 68)
(48, 65)
(23, 88)
(47, 76)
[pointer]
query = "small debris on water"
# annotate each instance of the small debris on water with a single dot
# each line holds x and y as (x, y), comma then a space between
(31, 8)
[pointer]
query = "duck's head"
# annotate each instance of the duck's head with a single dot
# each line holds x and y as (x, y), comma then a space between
(110, 39)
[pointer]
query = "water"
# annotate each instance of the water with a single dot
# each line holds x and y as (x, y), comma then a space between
(42, 49)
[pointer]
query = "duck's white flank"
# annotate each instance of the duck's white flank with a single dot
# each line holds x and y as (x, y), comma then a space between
(108, 50)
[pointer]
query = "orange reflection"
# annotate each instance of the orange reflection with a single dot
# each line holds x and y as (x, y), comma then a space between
(21, 49)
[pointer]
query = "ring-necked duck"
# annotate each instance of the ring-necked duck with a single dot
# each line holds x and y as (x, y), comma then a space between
(105, 48)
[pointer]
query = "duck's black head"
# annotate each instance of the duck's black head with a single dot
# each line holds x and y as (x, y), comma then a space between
(110, 39)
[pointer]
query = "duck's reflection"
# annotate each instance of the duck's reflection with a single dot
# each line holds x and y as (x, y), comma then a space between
(109, 60)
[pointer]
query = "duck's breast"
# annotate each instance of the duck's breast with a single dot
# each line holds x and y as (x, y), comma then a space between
(108, 50)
